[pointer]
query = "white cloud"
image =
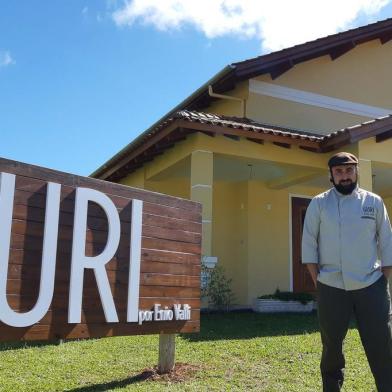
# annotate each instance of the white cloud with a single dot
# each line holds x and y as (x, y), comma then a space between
(276, 23)
(6, 59)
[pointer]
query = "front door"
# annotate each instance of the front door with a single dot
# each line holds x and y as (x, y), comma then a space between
(302, 280)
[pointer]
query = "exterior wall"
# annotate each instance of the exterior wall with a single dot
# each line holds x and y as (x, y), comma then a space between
(135, 179)
(230, 240)
(295, 115)
(361, 75)
(269, 237)
(179, 187)
(388, 205)
(268, 234)
(342, 78)
(251, 236)
(245, 233)
(378, 152)
(250, 221)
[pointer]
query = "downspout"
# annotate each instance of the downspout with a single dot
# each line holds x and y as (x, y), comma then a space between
(242, 100)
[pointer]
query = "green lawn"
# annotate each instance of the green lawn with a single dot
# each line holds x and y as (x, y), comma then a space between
(237, 351)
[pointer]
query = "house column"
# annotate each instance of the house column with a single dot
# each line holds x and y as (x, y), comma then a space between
(365, 174)
(202, 168)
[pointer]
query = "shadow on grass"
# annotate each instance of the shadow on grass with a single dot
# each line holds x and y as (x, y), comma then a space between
(249, 325)
(26, 344)
(114, 384)
(222, 326)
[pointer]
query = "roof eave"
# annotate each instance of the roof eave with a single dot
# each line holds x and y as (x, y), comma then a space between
(183, 128)
(99, 173)
(333, 45)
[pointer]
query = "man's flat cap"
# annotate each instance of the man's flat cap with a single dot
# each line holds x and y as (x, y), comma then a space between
(342, 158)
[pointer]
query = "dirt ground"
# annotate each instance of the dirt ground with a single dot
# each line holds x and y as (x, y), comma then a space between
(180, 373)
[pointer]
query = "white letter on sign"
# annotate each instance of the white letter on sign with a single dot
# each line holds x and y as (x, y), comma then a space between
(134, 261)
(80, 261)
(7, 315)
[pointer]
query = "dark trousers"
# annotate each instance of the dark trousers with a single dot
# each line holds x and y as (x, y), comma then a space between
(372, 309)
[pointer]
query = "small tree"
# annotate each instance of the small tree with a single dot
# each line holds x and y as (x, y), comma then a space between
(217, 288)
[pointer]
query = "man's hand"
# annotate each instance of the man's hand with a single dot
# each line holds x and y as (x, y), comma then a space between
(313, 270)
(387, 271)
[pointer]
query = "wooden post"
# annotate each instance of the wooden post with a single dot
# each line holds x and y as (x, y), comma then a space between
(167, 352)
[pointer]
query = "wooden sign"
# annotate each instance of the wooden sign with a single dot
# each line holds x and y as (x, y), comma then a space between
(82, 258)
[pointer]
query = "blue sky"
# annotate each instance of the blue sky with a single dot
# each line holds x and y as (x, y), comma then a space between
(81, 79)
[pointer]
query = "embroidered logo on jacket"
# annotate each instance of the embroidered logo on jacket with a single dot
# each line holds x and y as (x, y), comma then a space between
(368, 212)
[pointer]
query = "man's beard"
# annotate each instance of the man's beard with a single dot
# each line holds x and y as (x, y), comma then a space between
(345, 189)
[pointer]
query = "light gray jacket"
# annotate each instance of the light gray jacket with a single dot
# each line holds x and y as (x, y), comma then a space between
(349, 236)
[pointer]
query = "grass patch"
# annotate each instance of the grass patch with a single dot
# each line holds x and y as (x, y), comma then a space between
(235, 351)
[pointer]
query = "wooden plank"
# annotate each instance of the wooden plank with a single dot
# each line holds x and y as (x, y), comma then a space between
(154, 243)
(36, 229)
(220, 130)
(170, 212)
(35, 214)
(385, 38)
(284, 145)
(281, 69)
(171, 268)
(33, 271)
(176, 224)
(170, 257)
(26, 173)
(118, 278)
(92, 302)
(340, 50)
(383, 136)
(38, 199)
(167, 351)
(80, 331)
(19, 256)
(165, 291)
(93, 248)
(173, 257)
(96, 314)
(171, 234)
(170, 280)
(258, 141)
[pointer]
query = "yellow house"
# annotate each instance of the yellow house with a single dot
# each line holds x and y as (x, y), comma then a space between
(252, 145)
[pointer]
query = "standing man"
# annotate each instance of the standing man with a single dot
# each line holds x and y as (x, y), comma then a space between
(347, 246)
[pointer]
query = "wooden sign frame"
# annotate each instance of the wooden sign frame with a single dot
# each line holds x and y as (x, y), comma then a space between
(170, 253)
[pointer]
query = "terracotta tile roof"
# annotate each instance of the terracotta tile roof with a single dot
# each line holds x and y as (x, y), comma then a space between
(279, 62)
(228, 121)
(253, 126)
(244, 124)
(325, 45)
(363, 130)
(182, 123)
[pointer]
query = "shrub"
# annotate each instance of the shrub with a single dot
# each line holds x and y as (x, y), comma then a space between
(217, 288)
(304, 298)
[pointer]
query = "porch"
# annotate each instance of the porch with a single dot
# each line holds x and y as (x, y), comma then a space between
(248, 191)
